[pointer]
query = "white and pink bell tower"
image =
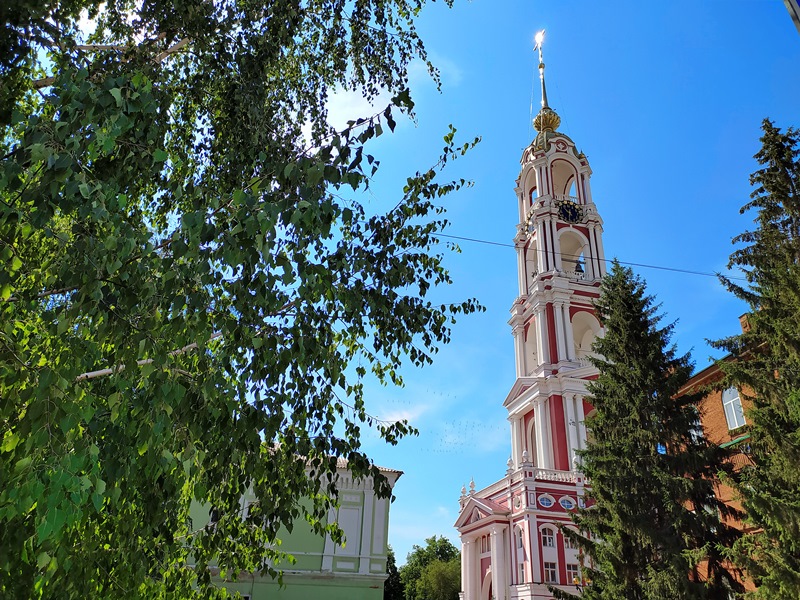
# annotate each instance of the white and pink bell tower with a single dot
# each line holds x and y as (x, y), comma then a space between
(512, 546)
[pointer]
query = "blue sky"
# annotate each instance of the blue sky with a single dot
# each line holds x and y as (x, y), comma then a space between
(665, 99)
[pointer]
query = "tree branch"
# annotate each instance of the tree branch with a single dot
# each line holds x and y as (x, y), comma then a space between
(140, 363)
(48, 81)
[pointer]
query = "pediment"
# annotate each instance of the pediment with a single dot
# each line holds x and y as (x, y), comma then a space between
(480, 510)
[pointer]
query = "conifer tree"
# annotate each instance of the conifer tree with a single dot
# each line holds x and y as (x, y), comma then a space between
(766, 367)
(653, 524)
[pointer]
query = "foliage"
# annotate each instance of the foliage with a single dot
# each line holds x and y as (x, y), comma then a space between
(437, 549)
(191, 300)
(654, 524)
(440, 580)
(393, 586)
(766, 366)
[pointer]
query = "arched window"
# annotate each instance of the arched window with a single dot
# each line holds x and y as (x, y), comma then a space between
(585, 328)
(531, 359)
(548, 538)
(574, 248)
(531, 440)
(564, 174)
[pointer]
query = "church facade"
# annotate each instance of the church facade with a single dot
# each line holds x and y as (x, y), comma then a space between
(512, 545)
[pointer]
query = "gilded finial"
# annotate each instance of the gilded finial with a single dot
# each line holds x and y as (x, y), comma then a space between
(547, 119)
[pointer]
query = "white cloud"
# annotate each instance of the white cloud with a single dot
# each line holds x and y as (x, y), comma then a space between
(349, 105)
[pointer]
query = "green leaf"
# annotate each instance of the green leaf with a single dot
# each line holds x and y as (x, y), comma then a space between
(10, 441)
(117, 94)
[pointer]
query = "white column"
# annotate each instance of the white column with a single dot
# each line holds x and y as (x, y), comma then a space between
(587, 189)
(548, 445)
(601, 254)
(514, 441)
(558, 313)
(499, 576)
(543, 451)
(572, 428)
(521, 274)
(555, 245)
(542, 345)
(536, 551)
(466, 565)
(518, 331)
(541, 248)
(591, 262)
(580, 417)
(475, 581)
(570, 346)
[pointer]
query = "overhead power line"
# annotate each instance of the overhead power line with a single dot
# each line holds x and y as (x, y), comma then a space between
(622, 262)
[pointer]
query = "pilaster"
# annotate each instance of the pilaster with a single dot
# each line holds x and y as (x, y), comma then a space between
(499, 574)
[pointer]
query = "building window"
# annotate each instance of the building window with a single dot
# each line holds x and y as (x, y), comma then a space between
(567, 503)
(546, 501)
(521, 572)
(696, 431)
(573, 574)
(732, 405)
(570, 544)
(548, 538)
(519, 538)
(550, 572)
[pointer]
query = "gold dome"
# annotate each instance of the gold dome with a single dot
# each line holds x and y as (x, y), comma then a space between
(547, 120)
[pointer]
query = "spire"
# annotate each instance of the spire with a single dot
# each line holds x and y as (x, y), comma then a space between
(547, 119)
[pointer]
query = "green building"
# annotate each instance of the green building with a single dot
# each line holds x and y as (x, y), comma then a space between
(355, 570)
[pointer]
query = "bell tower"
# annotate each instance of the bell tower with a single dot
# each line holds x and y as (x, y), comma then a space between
(560, 262)
(512, 545)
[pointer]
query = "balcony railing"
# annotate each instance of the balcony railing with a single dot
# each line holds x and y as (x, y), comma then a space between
(559, 476)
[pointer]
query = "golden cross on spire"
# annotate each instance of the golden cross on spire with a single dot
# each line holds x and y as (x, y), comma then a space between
(539, 39)
(547, 119)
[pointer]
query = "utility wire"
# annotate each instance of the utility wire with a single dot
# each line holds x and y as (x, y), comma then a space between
(622, 262)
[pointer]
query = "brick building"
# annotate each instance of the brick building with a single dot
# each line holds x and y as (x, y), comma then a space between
(723, 419)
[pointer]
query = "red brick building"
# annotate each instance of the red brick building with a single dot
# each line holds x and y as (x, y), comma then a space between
(723, 419)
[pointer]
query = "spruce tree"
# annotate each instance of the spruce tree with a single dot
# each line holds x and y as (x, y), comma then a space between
(653, 518)
(766, 367)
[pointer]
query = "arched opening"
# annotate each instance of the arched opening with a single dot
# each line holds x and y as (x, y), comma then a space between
(572, 191)
(564, 176)
(530, 440)
(585, 328)
(574, 250)
(486, 588)
(531, 359)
